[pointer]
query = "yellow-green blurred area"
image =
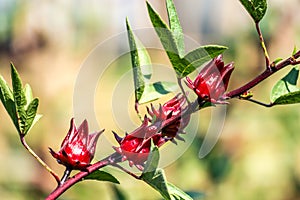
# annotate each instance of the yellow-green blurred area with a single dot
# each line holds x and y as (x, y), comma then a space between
(258, 153)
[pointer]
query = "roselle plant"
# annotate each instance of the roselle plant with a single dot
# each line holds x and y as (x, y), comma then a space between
(162, 123)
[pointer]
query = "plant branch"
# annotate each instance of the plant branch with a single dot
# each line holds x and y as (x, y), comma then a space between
(125, 170)
(257, 102)
(191, 108)
(27, 147)
(262, 43)
(182, 90)
(113, 158)
(264, 75)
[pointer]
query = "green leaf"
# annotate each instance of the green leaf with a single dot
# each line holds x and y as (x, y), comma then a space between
(30, 115)
(167, 39)
(164, 33)
(36, 119)
(156, 90)
(28, 94)
(256, 8)
(19, 102)
(177, 193)
(175, 27)
(158, 182)
(294, 50)
(290, 98)
(153, 176)
(18, 93)
(102, 176)
(277, 60)
(196, 195)
(12, 111)
(286, 85)
(5, 91)
(152, 162)
(285, 91)
(118, 193)
(199, 56)
(141, 63)
(7, 100)
(19, 97)
(173, 43)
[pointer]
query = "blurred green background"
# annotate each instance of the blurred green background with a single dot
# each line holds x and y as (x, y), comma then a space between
(258, 153)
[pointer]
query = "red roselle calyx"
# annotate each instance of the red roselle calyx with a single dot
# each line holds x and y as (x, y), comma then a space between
(212, 81)
(172, 110)
(78, 148)
(135, 147)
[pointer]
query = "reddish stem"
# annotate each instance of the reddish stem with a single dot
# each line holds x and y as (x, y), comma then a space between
(27, 147)
(263, 45)
(125, 170)
(264, 75)
(80, 175)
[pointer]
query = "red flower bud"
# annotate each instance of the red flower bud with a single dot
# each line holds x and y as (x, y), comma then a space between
(172, 109)
(165, 124)
(212, 81)
(135, 147)
(78, 148)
